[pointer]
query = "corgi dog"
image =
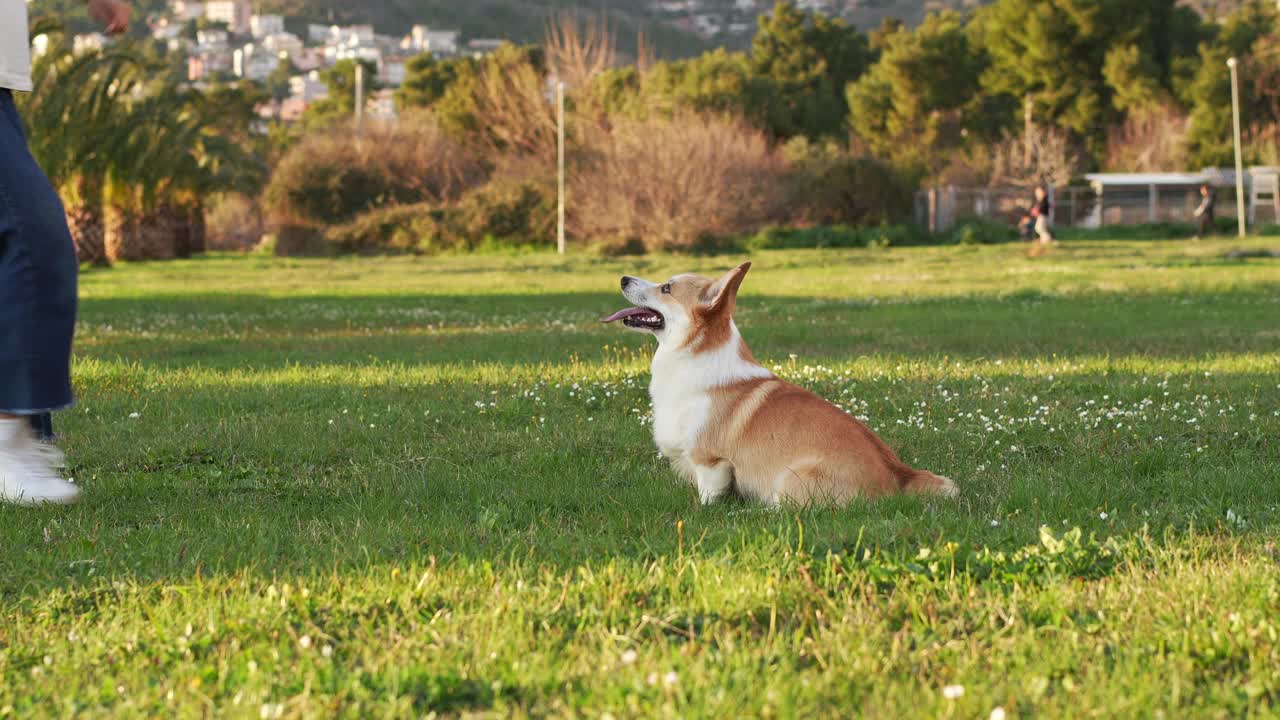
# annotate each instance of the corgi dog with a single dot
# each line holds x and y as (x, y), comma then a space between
(726, 423)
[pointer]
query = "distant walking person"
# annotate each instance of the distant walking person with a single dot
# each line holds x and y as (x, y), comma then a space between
(37, 282)
(1205, 211)
(1040, 211)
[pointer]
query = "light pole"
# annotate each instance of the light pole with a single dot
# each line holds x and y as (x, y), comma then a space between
(1235, 122)
(560, 165)
(359, 96)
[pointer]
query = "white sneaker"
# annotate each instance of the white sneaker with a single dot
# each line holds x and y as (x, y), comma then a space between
(27, 475)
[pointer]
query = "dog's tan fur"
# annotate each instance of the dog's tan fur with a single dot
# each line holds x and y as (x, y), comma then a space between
(725, 421)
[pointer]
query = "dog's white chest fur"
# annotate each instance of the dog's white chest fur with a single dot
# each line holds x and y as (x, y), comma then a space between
(681, 390)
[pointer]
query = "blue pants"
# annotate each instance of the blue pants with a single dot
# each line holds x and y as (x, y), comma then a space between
(37, 282)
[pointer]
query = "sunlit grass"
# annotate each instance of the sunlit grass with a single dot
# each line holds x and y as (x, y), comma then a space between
(412, 485)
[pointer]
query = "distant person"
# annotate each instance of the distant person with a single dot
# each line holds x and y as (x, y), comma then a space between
(1040, 211)
(1205, 211)
(37, 282)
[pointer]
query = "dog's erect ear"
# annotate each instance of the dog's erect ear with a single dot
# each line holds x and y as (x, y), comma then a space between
(724, 294)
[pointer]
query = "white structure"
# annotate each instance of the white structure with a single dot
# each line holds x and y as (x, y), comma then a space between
(183, 10)
(261, 26)
(253, 63)
(211, 39)
(440, 43)
(391, 72)
(483, 46)
(308, 88)
(235, 13)
(283, 44)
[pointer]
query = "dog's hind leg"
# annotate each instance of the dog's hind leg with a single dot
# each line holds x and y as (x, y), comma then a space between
(713, 481)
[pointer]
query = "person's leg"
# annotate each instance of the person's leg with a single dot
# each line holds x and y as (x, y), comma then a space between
(42, 426)
(37, 318)
(1042, 229)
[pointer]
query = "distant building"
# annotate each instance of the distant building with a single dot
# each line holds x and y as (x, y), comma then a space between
(307, 88)
(261, 26)
(309, 59)
(207, 63)
(235, 13)
(336, 53)
(391, 71)
(483, 46)
(253, 62)
(183, 11)
(317, 33)
(211, 39)
(283, 43)
(440, 43)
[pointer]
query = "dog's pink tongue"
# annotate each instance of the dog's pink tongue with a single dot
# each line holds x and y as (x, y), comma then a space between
(625, 314)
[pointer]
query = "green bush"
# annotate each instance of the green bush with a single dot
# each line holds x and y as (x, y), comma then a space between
(827, 185)
(331, 177)
(506, 214)
(417, 228)
(507, 211)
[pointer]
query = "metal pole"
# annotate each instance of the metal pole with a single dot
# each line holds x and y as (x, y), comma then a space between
(1235, 121)
(359, 96)
(560, 165)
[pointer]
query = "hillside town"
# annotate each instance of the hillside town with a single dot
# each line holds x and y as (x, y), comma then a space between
(226, 40)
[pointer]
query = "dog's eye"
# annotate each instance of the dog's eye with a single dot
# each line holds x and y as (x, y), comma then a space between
(666, 289)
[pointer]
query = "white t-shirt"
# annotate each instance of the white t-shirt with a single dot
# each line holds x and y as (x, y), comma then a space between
(15, 50)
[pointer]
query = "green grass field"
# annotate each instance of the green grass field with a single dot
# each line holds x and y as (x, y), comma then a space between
(397, 487)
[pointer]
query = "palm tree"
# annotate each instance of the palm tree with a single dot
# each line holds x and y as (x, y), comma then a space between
(76, 113)
(177, 155)
(132, 150)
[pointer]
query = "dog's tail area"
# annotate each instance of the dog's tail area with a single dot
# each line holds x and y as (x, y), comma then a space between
(923, 482)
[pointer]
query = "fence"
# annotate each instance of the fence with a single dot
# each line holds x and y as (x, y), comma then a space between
(1112, 199)
(940, 209)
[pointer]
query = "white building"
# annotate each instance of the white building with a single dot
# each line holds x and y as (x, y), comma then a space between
(211, 39)
(441, 43)
(483, 46)
(391, 72)
(283, 43)
(235, 13)
(261, 26)
(253, 62)
(183, 10)
(308, 88)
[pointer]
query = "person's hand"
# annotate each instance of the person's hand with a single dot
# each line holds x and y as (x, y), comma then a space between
(113, 14)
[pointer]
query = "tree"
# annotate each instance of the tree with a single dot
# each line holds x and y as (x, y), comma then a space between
(428, 79)
(77, 113)
(908, 107)
(503, 104)
(340, 103)
(1244, 35)
(278, 81)
(809, 59)
(1052, 53)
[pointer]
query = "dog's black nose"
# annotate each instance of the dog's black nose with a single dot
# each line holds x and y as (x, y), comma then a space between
(626, 281)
